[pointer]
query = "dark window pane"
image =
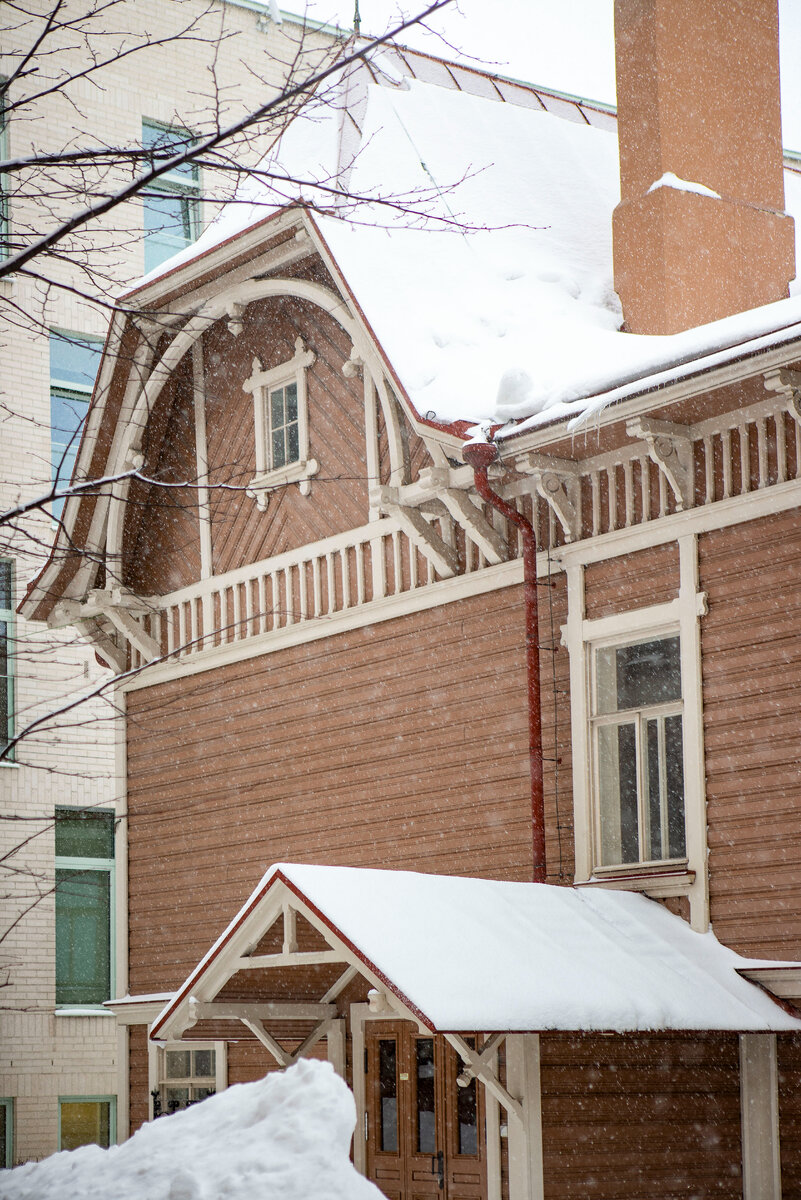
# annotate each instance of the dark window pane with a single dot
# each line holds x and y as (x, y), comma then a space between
(84, 833)
(617, 767)
(293, 444)
(426, 1121)
(388, 1094)
(277, 408)
(654, 771)
(674, 771)
(204, 1063)
(639, 675)
(83, 937)
(279, 457)
(629, 822)
(291, 401)
(178, 1064)
(467, 1117)
(5, 583)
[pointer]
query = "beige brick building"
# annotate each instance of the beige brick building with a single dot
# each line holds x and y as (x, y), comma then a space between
(61, 1078)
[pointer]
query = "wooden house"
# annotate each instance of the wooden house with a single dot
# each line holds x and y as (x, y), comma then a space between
(315, 597)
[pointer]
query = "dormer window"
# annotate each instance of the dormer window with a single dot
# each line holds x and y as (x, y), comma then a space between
(282, 427)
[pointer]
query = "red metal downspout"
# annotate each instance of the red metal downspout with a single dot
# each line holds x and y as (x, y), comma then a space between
(479, 455)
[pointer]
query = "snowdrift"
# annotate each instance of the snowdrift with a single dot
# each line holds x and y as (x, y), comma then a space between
(285, 1137)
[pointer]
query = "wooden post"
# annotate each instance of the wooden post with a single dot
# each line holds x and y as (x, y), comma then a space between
(525, 1139)
(759, 1116)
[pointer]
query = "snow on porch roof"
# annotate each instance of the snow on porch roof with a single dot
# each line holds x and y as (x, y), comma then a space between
(482, 955)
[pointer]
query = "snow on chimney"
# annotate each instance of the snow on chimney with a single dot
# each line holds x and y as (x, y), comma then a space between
(700, 231)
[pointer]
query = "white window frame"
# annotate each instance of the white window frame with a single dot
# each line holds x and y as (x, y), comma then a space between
(581, 635)
(157, 1065)
(170, 184)
(635, 716)
(259, 385)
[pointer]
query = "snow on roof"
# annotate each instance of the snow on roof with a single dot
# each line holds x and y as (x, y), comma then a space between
(287, 1135)
(514, 316)
(479, 954)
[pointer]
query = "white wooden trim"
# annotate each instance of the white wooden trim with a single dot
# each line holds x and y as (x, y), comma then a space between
(335, 1045)
(525, 1137)
(573, 639)
(371, 441)
(759, 1116)
(201, 459)
(359, 1014)
(446, 591)
(121, 907)
(692, 605)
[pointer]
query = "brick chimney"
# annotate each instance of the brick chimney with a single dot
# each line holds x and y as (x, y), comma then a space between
(698, 98)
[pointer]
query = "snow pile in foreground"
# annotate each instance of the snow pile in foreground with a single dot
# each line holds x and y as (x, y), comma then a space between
(285, 1137)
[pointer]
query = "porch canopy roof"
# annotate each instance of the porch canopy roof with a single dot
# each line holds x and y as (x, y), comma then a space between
(461, 954)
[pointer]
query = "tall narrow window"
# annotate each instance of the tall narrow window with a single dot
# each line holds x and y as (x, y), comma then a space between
(5, 248)
(6, 660)
(84, 906)
(637, 726)
(86, 1121)
(74, 360)
(388, 1093)
(172, 203)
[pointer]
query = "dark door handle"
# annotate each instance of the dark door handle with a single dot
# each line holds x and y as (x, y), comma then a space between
(438, 1166)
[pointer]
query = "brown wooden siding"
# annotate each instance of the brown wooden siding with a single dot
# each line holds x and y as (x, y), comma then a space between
(752, 721)
(401, 745)
(789, 1054)
(138, 1084)
(634, 1118)
(632, 581)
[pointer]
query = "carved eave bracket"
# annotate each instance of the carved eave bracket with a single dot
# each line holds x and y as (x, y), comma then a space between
(557, 481)
(670, 448)
(111, 619)
(788, 384)
(438, 492)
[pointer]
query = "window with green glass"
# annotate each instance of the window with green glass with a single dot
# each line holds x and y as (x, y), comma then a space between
(74, 361)
(86, 1121)
(6, 659)
(6, 1132)
(172, 204)
(84, 906)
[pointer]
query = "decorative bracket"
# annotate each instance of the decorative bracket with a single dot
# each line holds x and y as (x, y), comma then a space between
(788, 384)
(353, 365)
(557, 481)
(106, 609)
(442, 557)
(670, 448)
(236, 312)
(479, 1065)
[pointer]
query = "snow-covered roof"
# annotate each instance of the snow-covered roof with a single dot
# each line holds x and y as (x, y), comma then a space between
(468, 954)
(515, 319)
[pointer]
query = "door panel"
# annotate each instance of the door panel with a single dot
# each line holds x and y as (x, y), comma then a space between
(425, 1134)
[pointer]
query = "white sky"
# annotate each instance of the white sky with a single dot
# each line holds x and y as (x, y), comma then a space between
(562, 44)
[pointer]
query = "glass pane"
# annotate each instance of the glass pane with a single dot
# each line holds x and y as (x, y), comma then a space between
(5, 1131)
(169, 225)
(204, 1063)
(291, 391)
(177, 1098)
(638, 675)
(171, 141)
(674, 772)
(467, 1117)
(426, 1127)
(67, 413)
(84, 833)
(5, 687)
(278, 455)
(655, 775)
(200, 1093)
(617, 770)
(277, 418)
(74, 360)
(83, 937)
(388, 1094)
(85, 1123)
(5, 583)
(293, 444)
(178, 1063)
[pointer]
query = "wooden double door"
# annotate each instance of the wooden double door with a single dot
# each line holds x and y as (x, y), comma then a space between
(424, 1132)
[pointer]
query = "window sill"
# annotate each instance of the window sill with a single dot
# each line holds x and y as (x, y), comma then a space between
(301, 473)
(83, 1010)
(654, 881)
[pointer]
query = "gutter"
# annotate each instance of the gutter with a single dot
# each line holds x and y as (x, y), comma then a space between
(479, 455)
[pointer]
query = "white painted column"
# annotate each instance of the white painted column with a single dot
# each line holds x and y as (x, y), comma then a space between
(202, 459)
(492, 1125)
(335, 1043)
(692, 606)
(759, 1116)
(525, 1140)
